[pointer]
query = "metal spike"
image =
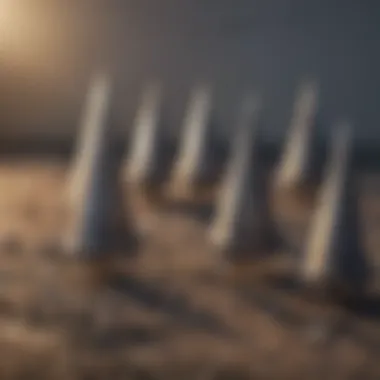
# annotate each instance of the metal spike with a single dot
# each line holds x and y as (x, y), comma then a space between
(96, 213)
(297, 167)
(96, 103)
(334, 258)
(144, 162)
(193, 165)
(242, 220)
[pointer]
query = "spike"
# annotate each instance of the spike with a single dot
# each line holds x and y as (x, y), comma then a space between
(144, 162)
(92, 121)
(334, 258)
(193, 165)
(96, 218)
(242, 221)
(297, 167)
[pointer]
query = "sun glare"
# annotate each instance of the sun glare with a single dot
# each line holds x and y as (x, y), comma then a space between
(21, 34)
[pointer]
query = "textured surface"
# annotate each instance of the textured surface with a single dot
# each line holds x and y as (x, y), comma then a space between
(172, 311)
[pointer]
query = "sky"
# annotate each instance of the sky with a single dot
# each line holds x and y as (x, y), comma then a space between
(267, 47)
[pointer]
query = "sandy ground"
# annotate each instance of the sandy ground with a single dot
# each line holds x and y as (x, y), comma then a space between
(175, 310)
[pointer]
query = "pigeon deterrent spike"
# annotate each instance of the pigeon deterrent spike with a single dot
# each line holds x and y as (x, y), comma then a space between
(144, 161)
(242, 221)
(96, 214)
(193, 163)
(297, 167)
(90, 129)
(334, 257)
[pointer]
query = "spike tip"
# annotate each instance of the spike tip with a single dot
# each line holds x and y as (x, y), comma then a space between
(144, 162)
(193, 165)
(242, 222)
(96, 213)
(297, 167)
(334, 257)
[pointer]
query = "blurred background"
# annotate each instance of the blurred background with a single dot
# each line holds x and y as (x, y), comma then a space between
(49, 47)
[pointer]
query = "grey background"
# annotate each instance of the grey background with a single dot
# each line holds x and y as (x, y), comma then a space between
(265, 46)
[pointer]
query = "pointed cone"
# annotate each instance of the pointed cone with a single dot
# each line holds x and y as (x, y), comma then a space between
(297, 167)
(193, 164)
(96, 213)
(144, 161)
(334, 257)
(242, 221)
(92, 122)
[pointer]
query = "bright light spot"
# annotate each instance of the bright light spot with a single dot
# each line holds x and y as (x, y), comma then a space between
(21, 32)
(11, 20)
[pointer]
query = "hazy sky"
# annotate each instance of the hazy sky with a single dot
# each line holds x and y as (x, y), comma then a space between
(267, 46)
